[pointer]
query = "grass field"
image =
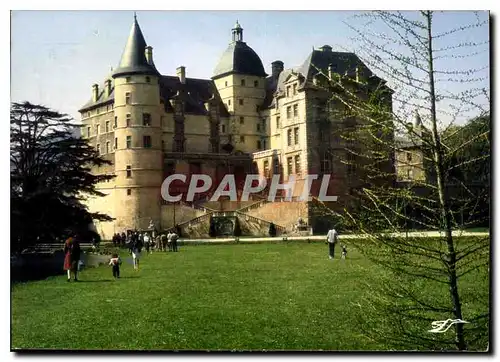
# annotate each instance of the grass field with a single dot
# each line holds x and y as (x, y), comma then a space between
(286, 296)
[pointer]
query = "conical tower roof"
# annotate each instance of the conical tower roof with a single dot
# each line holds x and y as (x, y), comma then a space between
(133, 59)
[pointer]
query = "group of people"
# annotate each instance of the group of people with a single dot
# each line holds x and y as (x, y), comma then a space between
(138, 241)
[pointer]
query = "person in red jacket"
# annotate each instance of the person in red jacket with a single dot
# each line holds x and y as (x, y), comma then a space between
(72, 257)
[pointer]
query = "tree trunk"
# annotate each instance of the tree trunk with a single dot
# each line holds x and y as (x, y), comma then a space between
(443, 198)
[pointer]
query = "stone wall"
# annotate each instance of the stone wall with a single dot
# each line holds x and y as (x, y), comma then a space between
(282, 213)
(182, 214)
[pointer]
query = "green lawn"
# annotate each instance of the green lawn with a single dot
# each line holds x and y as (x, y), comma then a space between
(285, 296)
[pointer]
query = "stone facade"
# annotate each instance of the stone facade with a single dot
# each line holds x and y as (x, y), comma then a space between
(241, 121)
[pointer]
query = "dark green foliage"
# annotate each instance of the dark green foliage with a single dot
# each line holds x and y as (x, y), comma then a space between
(212, 232)
(272, 230)
(49, 169)
(237, 228)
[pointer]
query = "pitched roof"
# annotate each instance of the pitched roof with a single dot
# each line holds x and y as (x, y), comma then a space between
(133, 60)
(342, 63)
(195, 93)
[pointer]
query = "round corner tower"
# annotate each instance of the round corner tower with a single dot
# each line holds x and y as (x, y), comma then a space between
(138, 154)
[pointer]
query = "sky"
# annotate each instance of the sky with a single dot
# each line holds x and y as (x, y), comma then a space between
(56, 56)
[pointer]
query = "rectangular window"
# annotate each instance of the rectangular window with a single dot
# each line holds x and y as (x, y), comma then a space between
(107, 126)
(288, 112)
(147, 141)
(289, 165)
(128, 97)
(241, 102)
(228, 102)
(148, 80)
(295, 110)
(276, 165)
(226, 83)
(129, 192)
(410, 174)
(408, 156)
(296, 135)
(255, 83)
(259, 144)
(294, 88)
(258, 127)
(129, 119)
(243, 82)
(288, 91)
(88, 114)
(107, 147)
(277, 122)
(129, 171)
(129, 141)
(289, 137)
(116, 143)
(242, 139)
(88, 132)
(163, 145)
(223, 128)
(266, 168)
(297, 164)
(128, 79)
(146, 119)
(242, 120)
(97, 128)
(116, 122)
(98, 149)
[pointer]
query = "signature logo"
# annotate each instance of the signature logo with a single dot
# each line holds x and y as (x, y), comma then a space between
(443, 326)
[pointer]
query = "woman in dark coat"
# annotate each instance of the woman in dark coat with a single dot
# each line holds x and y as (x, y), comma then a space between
(71, 257)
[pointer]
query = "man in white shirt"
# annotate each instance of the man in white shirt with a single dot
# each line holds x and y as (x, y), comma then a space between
(331, 239)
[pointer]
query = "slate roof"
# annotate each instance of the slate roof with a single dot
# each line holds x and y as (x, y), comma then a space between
(133, 60)
(239, 58)
(195, 92)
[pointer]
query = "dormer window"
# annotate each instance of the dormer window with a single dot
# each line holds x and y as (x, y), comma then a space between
(288, 88)
(243, 82)
(295, 89)
(148, 80)
(128, 79)
(128, 98)
(256, 83)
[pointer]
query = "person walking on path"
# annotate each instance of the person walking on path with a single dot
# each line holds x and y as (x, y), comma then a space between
(331, 239)
(72, 257)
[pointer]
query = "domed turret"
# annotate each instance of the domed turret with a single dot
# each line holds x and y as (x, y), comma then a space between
(239, 58)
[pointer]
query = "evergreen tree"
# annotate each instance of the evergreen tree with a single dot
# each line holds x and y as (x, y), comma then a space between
(50, 171)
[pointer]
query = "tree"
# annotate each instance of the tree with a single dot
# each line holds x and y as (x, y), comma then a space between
(237, 228)
(272, 230)
(50, 172)
(417, 62)
(212, 232)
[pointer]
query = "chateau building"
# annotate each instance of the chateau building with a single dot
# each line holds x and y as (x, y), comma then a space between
(240, 121)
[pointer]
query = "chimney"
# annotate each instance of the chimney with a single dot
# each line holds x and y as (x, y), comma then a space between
(95, 92)
(276, 68)
(181, 73)
(108, 87)
(149, 55)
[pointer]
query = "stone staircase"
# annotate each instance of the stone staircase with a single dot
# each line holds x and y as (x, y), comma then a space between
(255, 216)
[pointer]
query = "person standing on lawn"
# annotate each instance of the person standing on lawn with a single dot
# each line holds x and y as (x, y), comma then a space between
(115, 262)
(331, 239)
(72, 257)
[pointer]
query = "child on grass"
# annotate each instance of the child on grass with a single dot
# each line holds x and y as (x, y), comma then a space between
(115, 261)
